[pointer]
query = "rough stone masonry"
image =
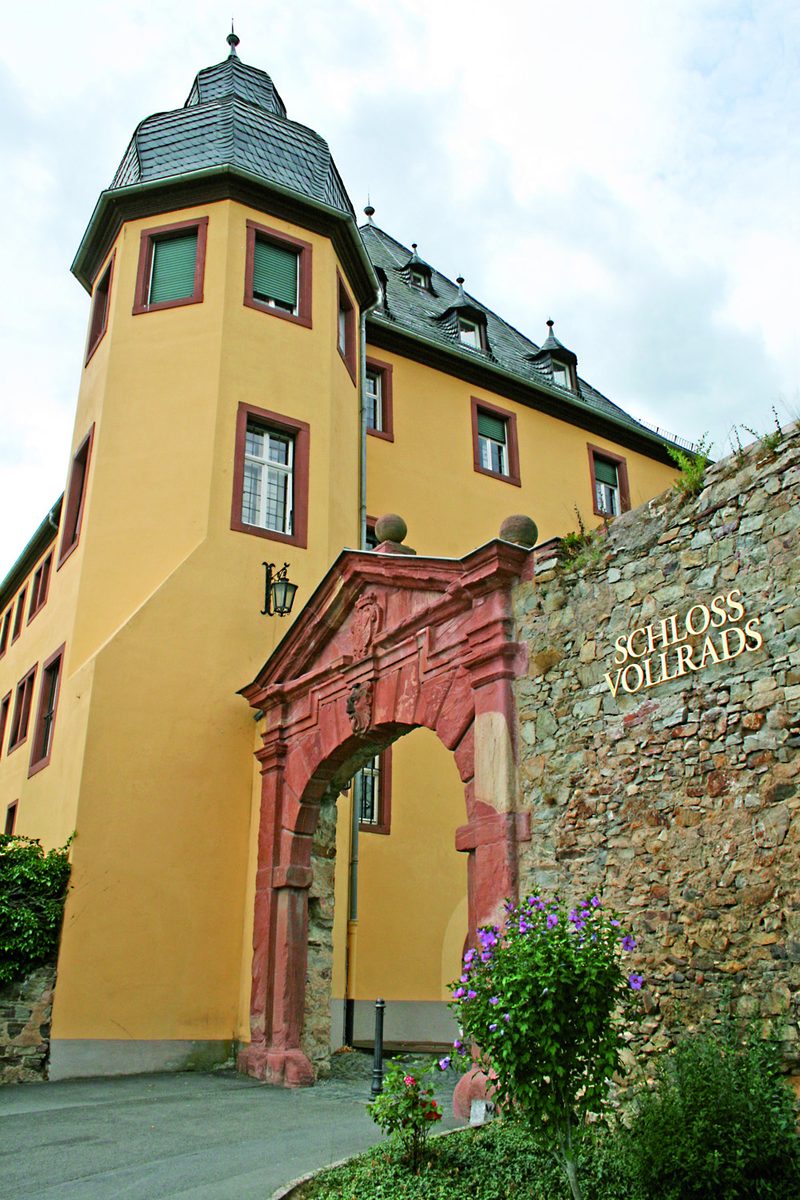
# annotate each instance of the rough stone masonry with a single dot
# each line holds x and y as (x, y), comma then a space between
(661, 771)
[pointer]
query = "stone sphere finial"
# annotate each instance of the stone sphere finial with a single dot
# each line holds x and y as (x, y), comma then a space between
(521, 530)
(390, 528)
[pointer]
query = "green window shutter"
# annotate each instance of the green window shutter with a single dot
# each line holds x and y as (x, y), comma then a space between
(274, 273)
(174, 261)
(605, 472)
(491, 427)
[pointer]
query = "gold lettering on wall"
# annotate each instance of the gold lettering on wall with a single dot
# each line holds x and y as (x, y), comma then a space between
(658, 653)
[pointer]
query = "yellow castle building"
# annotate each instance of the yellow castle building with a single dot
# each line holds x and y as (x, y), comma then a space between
(263, 378)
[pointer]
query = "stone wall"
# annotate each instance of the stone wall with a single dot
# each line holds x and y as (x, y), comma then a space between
(316, 1039)
(25, 1010)
(678, 800)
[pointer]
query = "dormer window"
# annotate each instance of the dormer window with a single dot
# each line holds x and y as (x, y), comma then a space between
(470, 333)
(419, 273)
(562, 375)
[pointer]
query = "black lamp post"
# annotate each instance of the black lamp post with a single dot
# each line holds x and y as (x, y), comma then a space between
(278, 591)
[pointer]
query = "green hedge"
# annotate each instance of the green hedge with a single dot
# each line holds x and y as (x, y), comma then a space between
(33, 888)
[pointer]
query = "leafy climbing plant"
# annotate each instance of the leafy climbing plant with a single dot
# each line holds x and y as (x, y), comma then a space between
(33, 888)
(692, 466)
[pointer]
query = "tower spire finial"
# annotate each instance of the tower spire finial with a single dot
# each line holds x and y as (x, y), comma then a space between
(232, 41)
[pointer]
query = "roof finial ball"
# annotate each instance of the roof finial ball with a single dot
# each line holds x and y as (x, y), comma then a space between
(232, 41)
(369, 211)
(521, 530)
(550, 323)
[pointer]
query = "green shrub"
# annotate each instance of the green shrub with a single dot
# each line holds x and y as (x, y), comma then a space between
(543, 1001)
(720, 1122)
(33, 887)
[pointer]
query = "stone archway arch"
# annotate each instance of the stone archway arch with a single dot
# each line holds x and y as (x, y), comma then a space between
(387, 644)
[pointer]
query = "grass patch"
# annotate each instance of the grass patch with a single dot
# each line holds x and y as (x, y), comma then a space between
(500, 1161)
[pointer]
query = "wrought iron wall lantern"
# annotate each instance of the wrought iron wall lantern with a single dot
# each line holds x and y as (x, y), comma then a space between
(278, 591)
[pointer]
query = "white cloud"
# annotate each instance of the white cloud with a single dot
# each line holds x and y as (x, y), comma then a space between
(629, 169)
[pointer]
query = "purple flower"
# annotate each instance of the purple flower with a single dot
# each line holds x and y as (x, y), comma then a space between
(458, 993)
(492, 1027)
(444, 1063)
(636, 981)
(523, 926)
(458, 1046)
(552, 920)
(506, 1017)
(595, 901)
(468, 957)
(494, 999)
(464, 979)
(628, 944)
(486, 956)
(471, 995)
(614, 923)
(573, 916)
(580, 925)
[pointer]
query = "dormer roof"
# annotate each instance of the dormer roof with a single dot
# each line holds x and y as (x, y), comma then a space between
(415, 321)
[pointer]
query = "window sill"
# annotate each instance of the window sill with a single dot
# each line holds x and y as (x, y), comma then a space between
(515, 480)
(272, 535)
(300, 318)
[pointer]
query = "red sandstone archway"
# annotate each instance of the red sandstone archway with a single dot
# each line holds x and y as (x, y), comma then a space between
(387, 643)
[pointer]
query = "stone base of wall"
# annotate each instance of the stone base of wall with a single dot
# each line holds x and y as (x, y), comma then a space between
(25, 1010)
(86, 1058)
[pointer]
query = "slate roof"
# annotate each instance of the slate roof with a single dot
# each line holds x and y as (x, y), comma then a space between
(432, 315)
(235, 117)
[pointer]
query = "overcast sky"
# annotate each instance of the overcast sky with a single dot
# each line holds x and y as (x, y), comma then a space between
(629, 168)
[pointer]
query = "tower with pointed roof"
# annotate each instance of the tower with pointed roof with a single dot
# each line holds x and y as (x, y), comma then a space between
(262, 379)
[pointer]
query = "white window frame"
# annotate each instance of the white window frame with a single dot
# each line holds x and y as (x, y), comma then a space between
(267, 467)
(469, 333)
(370, 774)
(374, 376)
(562, 375)
(608, 498)
(487, 446)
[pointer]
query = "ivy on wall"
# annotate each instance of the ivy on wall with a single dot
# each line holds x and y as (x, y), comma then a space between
(33, 888)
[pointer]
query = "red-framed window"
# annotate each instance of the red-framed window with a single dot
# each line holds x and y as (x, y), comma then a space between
(495, 448)
(5, 705)
(270, 476)
(19, 613)
(75, 498)
(277, 277)
(98, 319)
(11, 818)
(22, 710)
(611, 494)
(44, 726)
(172, 263)
(346, 327)
(372, 793)
(5, 630)
(379, 399)
(40, 586)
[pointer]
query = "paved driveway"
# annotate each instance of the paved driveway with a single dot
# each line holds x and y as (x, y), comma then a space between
(154, 1137)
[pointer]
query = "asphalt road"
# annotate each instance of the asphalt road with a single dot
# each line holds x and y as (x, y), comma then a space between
(153, 1137)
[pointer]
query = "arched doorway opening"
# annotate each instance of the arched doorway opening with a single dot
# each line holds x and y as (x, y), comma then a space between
(387, 644)
(387, 903)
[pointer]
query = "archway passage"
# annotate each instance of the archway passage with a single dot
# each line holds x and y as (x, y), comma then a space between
(386, 644)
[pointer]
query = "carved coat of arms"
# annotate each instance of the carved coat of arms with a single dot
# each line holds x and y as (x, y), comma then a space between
(367, 621)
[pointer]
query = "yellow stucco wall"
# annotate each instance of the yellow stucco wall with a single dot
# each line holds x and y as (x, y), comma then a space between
(159, 608)
(427, 473)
